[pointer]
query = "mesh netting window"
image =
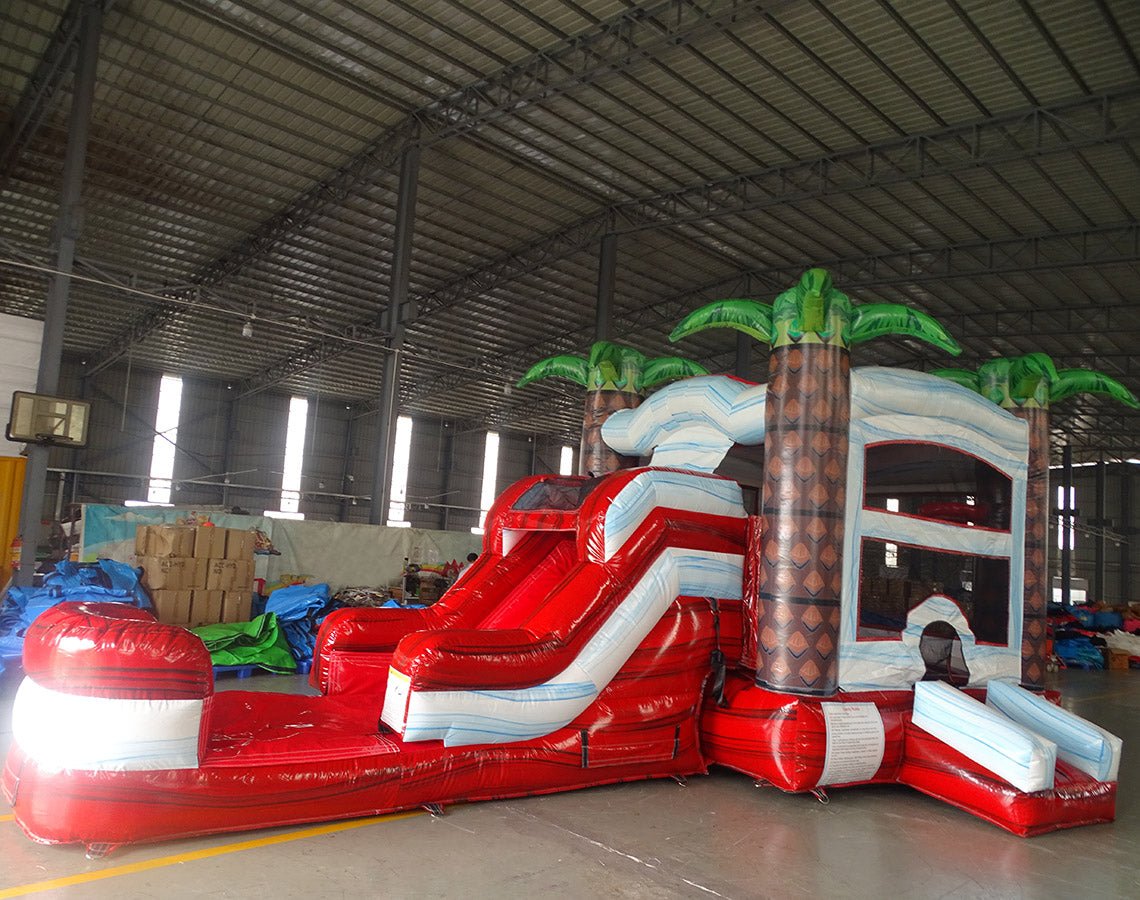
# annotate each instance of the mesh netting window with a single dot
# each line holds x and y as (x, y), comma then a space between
(932, 481)
(979, 585)
(557, 493)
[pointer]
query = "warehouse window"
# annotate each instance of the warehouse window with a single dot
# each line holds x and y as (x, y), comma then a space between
(490, 474)
(401, 459)
(566, 463)
(165, 439)
(294, 456)
(1061, 519)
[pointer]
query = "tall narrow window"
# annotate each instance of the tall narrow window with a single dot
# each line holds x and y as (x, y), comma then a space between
(401, 459)
(1061, 519)
(566, 463)
(490, 474)
(294, 456)
(891, 551)
(165, 439)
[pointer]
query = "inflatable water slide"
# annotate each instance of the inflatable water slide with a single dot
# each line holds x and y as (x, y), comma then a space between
(574, 652)
(871, 613)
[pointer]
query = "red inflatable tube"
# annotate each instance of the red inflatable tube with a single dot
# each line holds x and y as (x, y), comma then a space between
(115, 650)
(354, 633)
(448, 660)
(960, 513)
(781, 738)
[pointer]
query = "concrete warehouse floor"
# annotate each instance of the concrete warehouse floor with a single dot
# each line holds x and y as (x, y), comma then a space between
(719, 836)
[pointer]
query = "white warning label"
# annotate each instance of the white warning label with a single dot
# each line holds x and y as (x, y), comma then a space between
(855, 742)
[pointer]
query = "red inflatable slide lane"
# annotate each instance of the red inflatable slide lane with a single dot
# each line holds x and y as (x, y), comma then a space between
(355, 646)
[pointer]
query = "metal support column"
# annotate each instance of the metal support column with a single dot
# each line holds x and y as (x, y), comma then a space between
(1101, 524)
(607, 274)
(1127, 528)
(743, 355)
(347, 477)
(67, 229)
(447, 436)
(392, 321)
(1066, 525)
(228, 449)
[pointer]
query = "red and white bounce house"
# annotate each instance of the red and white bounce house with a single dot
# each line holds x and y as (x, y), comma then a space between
(608, 633)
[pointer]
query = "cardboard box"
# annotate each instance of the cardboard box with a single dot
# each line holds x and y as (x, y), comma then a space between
(1117, 659)
(239, 544)
(141, 537)
(197, 571)
(205, 608)
(169, 573)
(209, 542)
(172, 607)
(166, 540)
(161, 573)
(237, 606)
(229, 575)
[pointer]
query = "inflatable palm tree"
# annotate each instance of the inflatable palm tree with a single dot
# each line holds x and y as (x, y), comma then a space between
(1027, 386)
(615, 377)
(811, 328)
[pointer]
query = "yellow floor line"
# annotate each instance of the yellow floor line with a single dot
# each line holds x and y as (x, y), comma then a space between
(22, 890)
(8, 818)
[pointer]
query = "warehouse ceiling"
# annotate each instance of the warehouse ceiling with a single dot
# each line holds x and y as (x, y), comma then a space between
(976, 159)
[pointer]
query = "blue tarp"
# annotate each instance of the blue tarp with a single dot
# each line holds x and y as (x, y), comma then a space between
(298, 608)
(1079, 652)
(104, 581)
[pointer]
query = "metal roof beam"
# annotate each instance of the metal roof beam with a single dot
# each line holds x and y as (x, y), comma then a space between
(1108, 117)
(614, 46)
(42, 85)
(508, 415)
(1116, 244)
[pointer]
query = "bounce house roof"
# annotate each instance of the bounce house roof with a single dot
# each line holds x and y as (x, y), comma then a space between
(693, 423)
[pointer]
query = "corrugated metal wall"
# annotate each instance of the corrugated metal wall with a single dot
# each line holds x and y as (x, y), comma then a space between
(242, 441)
(1122, 511)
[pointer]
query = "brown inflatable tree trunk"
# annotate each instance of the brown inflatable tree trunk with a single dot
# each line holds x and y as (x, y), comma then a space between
(801, 578)
(595, 456)
(615, 378)
(1037, 587)
(798, 581)
(1027, 386)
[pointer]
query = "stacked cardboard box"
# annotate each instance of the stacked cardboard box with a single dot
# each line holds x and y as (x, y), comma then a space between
(197, 575)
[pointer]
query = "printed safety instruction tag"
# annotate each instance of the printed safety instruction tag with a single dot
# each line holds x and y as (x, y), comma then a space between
(856, 740)
(395, 712)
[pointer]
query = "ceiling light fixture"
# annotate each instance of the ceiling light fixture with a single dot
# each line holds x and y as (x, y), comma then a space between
(247, 329)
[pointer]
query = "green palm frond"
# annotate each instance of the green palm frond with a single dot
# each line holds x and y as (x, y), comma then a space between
(1088, 381)
(668, 368)
(606, 352)
(750, 316)
(994, 382)
(872, 320)
(573, 368)
(1030, 379)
